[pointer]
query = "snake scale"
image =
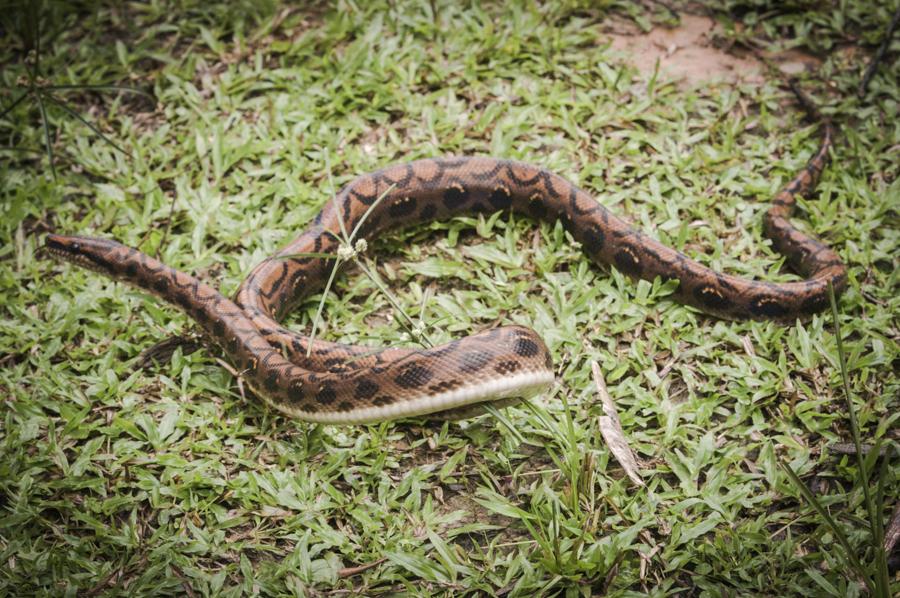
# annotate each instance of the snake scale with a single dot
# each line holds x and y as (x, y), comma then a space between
(352, 384)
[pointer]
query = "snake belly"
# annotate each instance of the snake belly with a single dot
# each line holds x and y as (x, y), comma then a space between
(344, 384)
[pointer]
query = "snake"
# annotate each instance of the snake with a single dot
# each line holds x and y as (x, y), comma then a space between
(332, 383)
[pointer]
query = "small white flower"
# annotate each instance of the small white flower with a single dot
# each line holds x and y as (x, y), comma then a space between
(347, 252)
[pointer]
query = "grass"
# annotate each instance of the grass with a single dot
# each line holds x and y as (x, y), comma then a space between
(116, 480)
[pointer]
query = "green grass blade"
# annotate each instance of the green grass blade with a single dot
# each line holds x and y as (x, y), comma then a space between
(500, 417)
(822, 582)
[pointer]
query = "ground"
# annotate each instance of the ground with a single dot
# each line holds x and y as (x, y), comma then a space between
(166, 480)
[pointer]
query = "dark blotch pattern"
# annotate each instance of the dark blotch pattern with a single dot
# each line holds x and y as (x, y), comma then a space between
(767, 307)
(455, 196)
(428, 213)
(526, 347)
(500, 198)
(414, 376)
(712, 298)
(506, 367)
(445, 386)
(270, 383)
(326, 396)
(366, 389)
(593, 239)
(815, 304)
(537, 208)
(295, 392)
(402, 207)
(336, 365)
(472, 361)
(628, 262)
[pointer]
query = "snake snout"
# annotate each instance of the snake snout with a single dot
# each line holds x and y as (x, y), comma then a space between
(60, 245)
(86, 252)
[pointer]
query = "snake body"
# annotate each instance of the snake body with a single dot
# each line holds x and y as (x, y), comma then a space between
(339, 383)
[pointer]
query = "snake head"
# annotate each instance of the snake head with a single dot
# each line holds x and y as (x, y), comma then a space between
(87, 252)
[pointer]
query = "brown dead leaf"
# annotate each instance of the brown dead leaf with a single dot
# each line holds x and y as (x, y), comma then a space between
(611, 429)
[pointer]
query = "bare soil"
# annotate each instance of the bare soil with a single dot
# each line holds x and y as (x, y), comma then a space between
(690, 54)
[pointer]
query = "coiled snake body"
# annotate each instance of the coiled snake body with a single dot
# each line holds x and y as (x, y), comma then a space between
(350, 384)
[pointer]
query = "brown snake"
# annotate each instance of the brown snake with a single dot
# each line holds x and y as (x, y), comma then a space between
(351, 384)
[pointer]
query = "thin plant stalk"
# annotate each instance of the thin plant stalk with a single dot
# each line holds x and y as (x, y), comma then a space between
(317, 319)
(849, 552)
(337, 207)
(410, 324)
(99, 87)
(14, 103)
(46, 122)
(879, 586)
(369, 211)
(84, 121)
(877, 529)
(851, 413)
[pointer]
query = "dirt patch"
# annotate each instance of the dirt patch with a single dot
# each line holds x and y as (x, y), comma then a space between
(688, 54)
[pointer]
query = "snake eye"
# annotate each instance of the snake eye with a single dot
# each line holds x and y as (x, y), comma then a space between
(76, 246)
